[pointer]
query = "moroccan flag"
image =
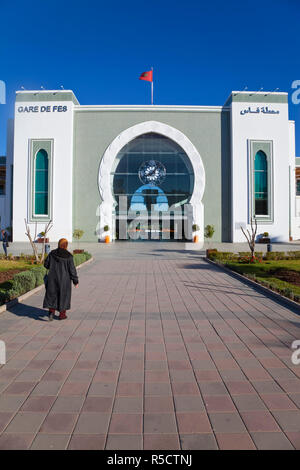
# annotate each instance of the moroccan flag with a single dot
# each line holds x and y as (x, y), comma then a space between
(148, 76)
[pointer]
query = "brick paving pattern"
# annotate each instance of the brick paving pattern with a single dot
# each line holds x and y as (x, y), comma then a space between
(161, 351)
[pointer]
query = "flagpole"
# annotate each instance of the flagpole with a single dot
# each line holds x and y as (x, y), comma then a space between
(152, 87)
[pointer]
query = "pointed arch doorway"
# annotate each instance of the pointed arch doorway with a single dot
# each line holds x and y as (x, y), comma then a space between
(151, 149)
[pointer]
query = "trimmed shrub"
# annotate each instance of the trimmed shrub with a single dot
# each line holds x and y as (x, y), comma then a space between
(39, 273)
(294, 254)
(87, 255)
(222, 256)
(275, 255)
(244, 254)
(79, 258)
(22, 282)
(288, 293)
(4, 296)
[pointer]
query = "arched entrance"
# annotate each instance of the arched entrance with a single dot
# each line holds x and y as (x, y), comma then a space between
(158, 164)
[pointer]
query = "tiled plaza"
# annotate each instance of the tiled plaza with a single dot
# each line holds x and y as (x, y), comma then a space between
(161, 350)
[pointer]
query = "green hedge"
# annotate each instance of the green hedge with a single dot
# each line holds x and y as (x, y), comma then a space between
(22, 282)
(223, 256)
(39, 272)
(294, 254)
(80, 258)
(276, 255)
(4, 291)
(244, 256)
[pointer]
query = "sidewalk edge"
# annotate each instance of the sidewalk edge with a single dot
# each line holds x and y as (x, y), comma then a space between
(256, 285)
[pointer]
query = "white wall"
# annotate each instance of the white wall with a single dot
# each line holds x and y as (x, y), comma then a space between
(47, 125)
(260, 126)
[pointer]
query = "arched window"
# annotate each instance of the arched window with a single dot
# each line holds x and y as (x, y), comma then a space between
(157, 155)
(261, 183)
(41, 170)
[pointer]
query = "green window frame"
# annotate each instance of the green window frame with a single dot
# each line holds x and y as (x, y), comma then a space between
(41, 174)
(261, 200)
(260, 184)
(40, 196)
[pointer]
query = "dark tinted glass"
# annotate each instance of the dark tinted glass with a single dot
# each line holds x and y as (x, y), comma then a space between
(179, 181)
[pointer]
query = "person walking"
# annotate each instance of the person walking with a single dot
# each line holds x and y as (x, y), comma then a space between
(62, 273)
(4, 236)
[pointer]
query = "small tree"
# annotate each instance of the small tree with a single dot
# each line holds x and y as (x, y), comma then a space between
(250, 237)
(48, 227)
(209, 231)
(77, 234)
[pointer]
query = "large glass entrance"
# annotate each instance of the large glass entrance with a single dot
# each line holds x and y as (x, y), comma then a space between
(152, 180)
(154, 230)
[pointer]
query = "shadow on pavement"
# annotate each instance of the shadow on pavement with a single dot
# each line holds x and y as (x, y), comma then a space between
(207, 267)
(23, 310)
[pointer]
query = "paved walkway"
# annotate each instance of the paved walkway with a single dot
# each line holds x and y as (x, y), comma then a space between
(161, 351)
(16, 248)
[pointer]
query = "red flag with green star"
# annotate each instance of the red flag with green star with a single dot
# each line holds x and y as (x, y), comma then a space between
(148, 76)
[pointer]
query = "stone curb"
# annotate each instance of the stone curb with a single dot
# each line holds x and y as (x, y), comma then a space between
(22, 297)
(256, 285)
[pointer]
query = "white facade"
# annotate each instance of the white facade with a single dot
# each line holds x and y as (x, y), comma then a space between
(279, 131)
(45, 125)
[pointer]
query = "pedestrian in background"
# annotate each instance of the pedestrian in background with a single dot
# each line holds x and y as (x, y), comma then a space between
(4, 237)
(58, 283)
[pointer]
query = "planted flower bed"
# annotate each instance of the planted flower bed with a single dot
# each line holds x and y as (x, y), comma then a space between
(278, 271)
(27, 277)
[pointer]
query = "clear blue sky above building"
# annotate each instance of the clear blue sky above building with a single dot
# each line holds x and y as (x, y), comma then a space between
(200, 51)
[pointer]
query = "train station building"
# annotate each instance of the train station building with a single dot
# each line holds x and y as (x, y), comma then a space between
(153, 172)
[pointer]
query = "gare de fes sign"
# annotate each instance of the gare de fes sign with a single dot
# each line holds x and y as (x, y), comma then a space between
(42, 109)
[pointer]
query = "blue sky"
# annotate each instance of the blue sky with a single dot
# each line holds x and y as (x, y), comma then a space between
(200, 51)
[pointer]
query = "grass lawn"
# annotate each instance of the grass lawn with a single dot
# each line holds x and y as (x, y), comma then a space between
(7, 265)
(8, 268)
(269, 270)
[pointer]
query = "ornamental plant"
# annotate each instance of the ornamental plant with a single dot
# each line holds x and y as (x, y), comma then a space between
(209, 231)
(38, 258)
(106, 228)
(250, 236)
(77, 234)
(195, 228)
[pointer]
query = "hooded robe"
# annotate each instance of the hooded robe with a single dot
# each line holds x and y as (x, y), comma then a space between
(62, 273)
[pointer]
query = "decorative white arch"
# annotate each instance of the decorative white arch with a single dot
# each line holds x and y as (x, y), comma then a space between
(105, 168)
